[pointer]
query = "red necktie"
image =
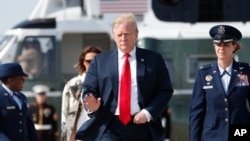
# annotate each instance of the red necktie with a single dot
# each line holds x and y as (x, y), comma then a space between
(125, 90)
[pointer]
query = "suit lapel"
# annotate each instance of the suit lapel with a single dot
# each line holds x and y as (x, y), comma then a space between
(233, 80)
(114, 72)
(140, 68)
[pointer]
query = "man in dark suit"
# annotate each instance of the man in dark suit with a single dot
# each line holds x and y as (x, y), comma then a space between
(15, 121)
(127, 89)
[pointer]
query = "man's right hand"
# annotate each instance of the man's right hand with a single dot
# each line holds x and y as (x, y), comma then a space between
(91, 103)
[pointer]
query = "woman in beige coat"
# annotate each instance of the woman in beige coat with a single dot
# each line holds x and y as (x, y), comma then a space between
(73, 114)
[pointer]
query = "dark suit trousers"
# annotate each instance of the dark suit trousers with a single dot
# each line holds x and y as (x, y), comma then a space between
(117, 131)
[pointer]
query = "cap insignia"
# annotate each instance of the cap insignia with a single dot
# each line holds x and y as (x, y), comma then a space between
(221, 30)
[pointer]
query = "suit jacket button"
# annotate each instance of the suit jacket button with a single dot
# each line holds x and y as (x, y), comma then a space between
(225, 99)
(226, 109)
(20, 122)
(20, 114)
(226, 119)
(20, 130)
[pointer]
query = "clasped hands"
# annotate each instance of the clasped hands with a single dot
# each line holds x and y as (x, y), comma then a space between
(93, 104)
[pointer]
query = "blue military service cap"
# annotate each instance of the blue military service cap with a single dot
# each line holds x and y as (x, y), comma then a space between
(224, 34)
(11, 69)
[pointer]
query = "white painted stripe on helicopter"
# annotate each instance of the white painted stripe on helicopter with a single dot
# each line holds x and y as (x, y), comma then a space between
(183, 91)
(49, 94)
(59, 93)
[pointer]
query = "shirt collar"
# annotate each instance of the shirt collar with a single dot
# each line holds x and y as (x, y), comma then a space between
(228, 69)
(132, 53)
(8, 90)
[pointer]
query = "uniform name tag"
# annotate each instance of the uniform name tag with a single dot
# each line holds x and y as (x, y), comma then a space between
(207, 87)
(10, 107)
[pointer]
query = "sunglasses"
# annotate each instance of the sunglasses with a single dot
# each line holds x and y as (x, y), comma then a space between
(88, 61)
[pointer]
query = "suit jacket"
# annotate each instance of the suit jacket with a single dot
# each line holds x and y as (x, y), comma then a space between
(212, 110)
(154, 91)
(15, 124)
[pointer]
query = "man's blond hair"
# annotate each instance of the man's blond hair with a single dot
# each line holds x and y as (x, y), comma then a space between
(125, 18)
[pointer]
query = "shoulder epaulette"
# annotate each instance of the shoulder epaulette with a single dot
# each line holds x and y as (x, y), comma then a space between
(206, 66)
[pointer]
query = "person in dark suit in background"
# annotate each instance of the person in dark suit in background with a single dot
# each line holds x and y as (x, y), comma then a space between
(15, 121)
(221, 92)
(127, 89)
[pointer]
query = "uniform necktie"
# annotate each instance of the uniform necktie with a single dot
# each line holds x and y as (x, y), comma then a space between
(225, 78)
(125, 92)
(224, 73)
(17, 99)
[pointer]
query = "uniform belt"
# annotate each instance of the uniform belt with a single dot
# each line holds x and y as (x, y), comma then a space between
(43, 127)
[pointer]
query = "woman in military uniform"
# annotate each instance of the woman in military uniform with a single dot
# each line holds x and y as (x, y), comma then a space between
(221, 91)
(73, 113)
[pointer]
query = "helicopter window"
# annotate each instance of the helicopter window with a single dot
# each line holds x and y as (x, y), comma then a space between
(8, 47)
(195, 62)
(36, 56)
(4, 40)
(73, 3)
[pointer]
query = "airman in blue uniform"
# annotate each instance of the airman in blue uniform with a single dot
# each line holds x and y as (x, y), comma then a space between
(221, 93)
(15, 121)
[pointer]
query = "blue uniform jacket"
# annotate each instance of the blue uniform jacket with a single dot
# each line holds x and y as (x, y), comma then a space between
(15, 124)
(212, 110)
(154, 91)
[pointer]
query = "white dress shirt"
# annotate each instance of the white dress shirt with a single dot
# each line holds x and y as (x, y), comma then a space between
(134, 87)
(225, 78)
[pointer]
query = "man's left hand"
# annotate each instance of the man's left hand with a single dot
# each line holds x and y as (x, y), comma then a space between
(140, 118)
